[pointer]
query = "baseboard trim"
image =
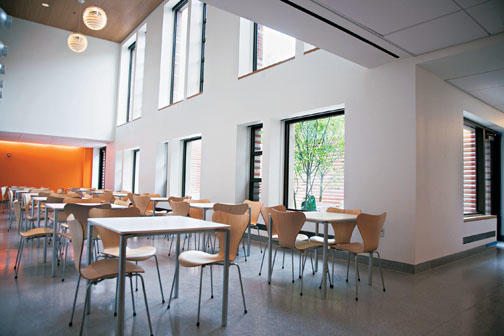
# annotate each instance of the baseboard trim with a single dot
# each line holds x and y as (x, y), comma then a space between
(405, 267)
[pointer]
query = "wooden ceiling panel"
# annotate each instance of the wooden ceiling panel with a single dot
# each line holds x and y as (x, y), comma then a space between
(122, 15)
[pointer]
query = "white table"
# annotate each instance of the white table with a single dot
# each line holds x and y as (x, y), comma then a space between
(56, 207)
(155, 200)
(324, 218)
(127, 227)
(119, 194)
(97, 192)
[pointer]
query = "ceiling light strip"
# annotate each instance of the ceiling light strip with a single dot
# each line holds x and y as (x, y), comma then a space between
(337, 26)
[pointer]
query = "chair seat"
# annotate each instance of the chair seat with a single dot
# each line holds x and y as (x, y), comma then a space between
(108, 268)
(305, 244)
(34, 217)
(133, 254)
(320, 240)
(299, 237)
(38, 232)
(351, 247)
(198, 258)
(65, 235)
(158, 212)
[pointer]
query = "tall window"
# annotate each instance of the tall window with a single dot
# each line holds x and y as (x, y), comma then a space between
(481, 170)
(188, 56)
(162, 169)
(314, 162)
(270, 47)
(131, 80)
(101, 172)
(136, 166)
(255, 177)
(191, 169)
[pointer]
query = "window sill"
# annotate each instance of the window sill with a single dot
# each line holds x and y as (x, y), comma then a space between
(311, 50)
(179, 101)
(268, 67)
(129, 121)
(473, 218)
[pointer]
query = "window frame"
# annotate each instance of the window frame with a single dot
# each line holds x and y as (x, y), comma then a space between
(133, 175)
(101, 170)
(287, 123)
(252, 155)
(132, 59)
(184, 159)
(481, 138)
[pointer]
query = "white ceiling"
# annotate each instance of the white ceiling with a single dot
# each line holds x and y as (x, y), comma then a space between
(52, 140)
(478, 72)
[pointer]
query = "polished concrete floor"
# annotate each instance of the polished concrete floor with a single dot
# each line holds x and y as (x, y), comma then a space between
(462, 298)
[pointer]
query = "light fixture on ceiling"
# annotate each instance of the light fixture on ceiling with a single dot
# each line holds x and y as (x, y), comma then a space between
(77, 42)
(2, 69)
(94, 18)
(45, 4)
(3, 49)
(5, 20)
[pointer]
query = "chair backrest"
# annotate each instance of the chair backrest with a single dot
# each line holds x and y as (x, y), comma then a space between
(141, 202)
(109, 238)
(151, 204)
(237, 217)
(82, 200)
(370, 228)
(108, 196)
(130, 197)
(17, 213)
(343, 231)
(178, 199)
(54, 199)
(77, 234)
(265, 212)
(197, 213)
(44, 193)
(81, 213)
(11, 198)
(26, 199)
(287, 224)
(180, 208)
(255, 210)
(73, 194)
(121, 202)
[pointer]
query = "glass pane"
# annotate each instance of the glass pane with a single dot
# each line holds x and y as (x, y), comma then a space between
(193, 169)
(488, 175)
(195, 49)
(258, 166)
(137, 169)
(180, 54)
(256, 191)
(316, 163)
(131, 80)
(258, 140)
(273, 46)
(469, 170)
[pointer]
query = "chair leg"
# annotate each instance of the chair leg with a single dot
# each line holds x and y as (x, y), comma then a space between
(132, 296)
(244, 251)
(332, 257)
(262, 261)
(146, 303)
(199, 297)
(86, 302)
(116, 296)
(241, 286)
(274, 258)
(171, 290)
(356, 278)
(64, 258)
(303, 257)
(74, 301)
(159, 278)
(292, 264)
(211, 282)
(136, 278)
(17, 254)
(300, 262)
(283, 259)
(20, 257)
(171, 243)
(381, 272)
(348, 266)
(259, 238)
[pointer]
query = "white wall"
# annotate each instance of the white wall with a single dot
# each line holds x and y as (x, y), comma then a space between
(440, 225)
(50, 90)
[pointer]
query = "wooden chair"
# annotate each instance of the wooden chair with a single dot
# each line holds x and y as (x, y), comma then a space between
(108, 196)
(123, 203)
(98, 271)
(82, 200)
(110, 240)
(150, 206)
(237, 217)
(255, 211)
(288, 224)
(26, 236)
(265, 213)
(179, 209)
(179, 199)
(370, 227)
(197, 213)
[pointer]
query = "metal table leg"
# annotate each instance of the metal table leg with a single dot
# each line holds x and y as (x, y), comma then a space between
(45, 239)
(121, 274)
(177, 252)
(316, 250)
(324, 263)
(269, 249)
(55, 235)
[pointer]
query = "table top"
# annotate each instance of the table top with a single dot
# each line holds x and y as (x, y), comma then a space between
(84, 189)
(33, 194)
(39, 198)
(97, 192)
(24, 191)
(61, 206)
(202, 205)
(329, 217)
(155, 224)
(158, 199)
(118, 194)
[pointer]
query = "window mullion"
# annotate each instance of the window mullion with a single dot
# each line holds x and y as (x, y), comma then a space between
(480, 171)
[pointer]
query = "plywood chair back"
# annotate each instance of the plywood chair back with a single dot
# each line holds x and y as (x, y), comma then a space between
(343, 231)
(237, 217)
(149, 206)
(255, 210)
(265, 212)
(123, 203)
(17, 215)
(130, 197)
(108, 196)
(81, 213)
(82, 200)
(141, 202)
(109, 238)
(73, 194)
(370, 227)
(288, 224)
(77, 234)
(180, 208)
(54, 199)
(197, 213)
(179, 199)
(44, 193)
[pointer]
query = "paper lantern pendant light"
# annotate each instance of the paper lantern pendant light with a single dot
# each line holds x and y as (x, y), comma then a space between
(94, 18)
(77, 42)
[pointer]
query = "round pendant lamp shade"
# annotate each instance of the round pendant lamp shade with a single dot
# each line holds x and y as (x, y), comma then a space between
(77, 42)
(94, 18)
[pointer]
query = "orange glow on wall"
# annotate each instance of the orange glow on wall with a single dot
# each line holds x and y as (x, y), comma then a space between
(40, 165)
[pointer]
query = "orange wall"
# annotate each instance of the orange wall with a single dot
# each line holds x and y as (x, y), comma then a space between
(41, 165)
